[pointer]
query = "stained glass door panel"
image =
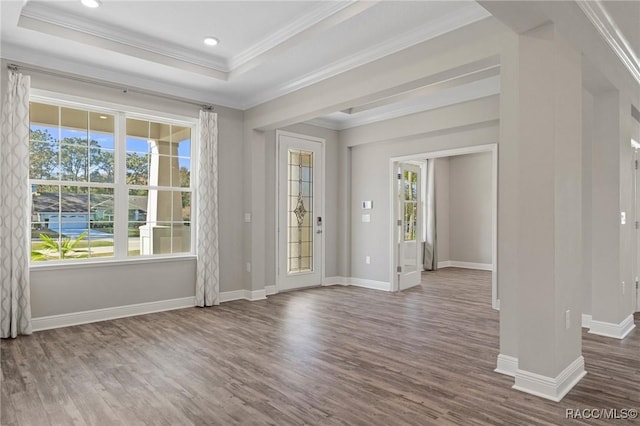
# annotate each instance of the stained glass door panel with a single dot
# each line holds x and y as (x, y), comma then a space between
(300, 226)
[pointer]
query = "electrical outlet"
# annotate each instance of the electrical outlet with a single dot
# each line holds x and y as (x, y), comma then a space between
(567, 319)
(367, 260)
(248, 266)
(623, 287)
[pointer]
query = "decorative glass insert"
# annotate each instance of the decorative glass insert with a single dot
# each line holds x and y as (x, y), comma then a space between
(300, 212)
(410, 205)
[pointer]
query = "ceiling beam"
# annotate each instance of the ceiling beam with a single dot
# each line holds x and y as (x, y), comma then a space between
(468, 73)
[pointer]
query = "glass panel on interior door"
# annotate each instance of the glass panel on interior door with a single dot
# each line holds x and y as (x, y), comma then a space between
(300, 212)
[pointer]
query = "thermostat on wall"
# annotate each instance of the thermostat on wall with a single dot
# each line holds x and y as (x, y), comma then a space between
(367, 204)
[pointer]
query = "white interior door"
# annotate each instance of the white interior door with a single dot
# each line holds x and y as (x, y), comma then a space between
(408, 220)
(300, 211)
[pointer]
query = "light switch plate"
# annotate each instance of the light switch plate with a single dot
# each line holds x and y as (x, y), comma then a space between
(623, 218)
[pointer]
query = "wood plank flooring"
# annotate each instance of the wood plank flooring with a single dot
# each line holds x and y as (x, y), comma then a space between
(324, 356)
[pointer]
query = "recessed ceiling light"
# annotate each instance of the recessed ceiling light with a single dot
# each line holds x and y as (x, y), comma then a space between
(103, 117)
(91, 3)
(211, 41)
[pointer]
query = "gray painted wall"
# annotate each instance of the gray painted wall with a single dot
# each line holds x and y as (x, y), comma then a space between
(75, 289)
(370, 180)
(587, 140)
(442, 208)
(470, 206)
(464, 208)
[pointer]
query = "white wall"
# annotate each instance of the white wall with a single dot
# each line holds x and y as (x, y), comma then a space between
(56, 290)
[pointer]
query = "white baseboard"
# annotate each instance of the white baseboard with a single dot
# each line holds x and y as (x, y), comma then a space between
(507, 365)
(254, 295)
(553, 388)
(608, 329)
(405, 287)
(270, 290)
(85, 317)
(495, 304)
(586, 321)
(230, 296)
(335, 281)
(465, 265)
(372, 284)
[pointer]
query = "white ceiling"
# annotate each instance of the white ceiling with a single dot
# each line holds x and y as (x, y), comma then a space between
(267, 48)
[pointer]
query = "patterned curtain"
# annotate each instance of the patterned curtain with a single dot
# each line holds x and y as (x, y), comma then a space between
(208, 281)
(15, 317)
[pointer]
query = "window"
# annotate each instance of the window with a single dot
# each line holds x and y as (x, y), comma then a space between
(108, 184)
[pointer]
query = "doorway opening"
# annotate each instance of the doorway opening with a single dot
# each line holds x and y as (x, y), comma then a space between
(416, 173)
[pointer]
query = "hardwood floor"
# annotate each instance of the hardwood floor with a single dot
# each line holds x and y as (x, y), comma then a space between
(325, 356)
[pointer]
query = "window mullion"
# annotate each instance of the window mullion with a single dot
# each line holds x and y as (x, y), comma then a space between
(121, 237)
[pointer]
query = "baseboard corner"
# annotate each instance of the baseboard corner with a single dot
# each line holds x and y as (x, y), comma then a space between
(552, 388)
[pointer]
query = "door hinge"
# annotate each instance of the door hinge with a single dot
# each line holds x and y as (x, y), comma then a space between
(399, 176)
(636, 164)
(637, 225)
(399, 222)
(399, 269)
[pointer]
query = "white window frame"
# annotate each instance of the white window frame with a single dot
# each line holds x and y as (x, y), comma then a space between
(121, 189)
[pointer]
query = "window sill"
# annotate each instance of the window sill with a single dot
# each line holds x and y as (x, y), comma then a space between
(54, 265)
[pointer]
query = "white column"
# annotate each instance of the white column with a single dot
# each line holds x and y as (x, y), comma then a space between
(548, 114)
(612, 252)
(508, 217)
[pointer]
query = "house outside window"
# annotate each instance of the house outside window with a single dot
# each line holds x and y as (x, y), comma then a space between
(108, 184)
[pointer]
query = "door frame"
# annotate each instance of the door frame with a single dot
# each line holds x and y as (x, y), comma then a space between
(323, 192)
(493, 148)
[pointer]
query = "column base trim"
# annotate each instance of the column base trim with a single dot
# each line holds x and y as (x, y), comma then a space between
(553, 388)
(507, 365)
(586, 321)
(608, 329)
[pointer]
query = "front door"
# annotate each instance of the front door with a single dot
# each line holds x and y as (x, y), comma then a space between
(408, 235)
(300, 217)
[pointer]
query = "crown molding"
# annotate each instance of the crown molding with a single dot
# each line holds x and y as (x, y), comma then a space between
(70, 22)
(43, 13)
(294, 28)
(70, 68)
(610, 32)
(447, 23)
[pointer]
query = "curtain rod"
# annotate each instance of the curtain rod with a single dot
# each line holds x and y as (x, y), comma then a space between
(15, 67)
